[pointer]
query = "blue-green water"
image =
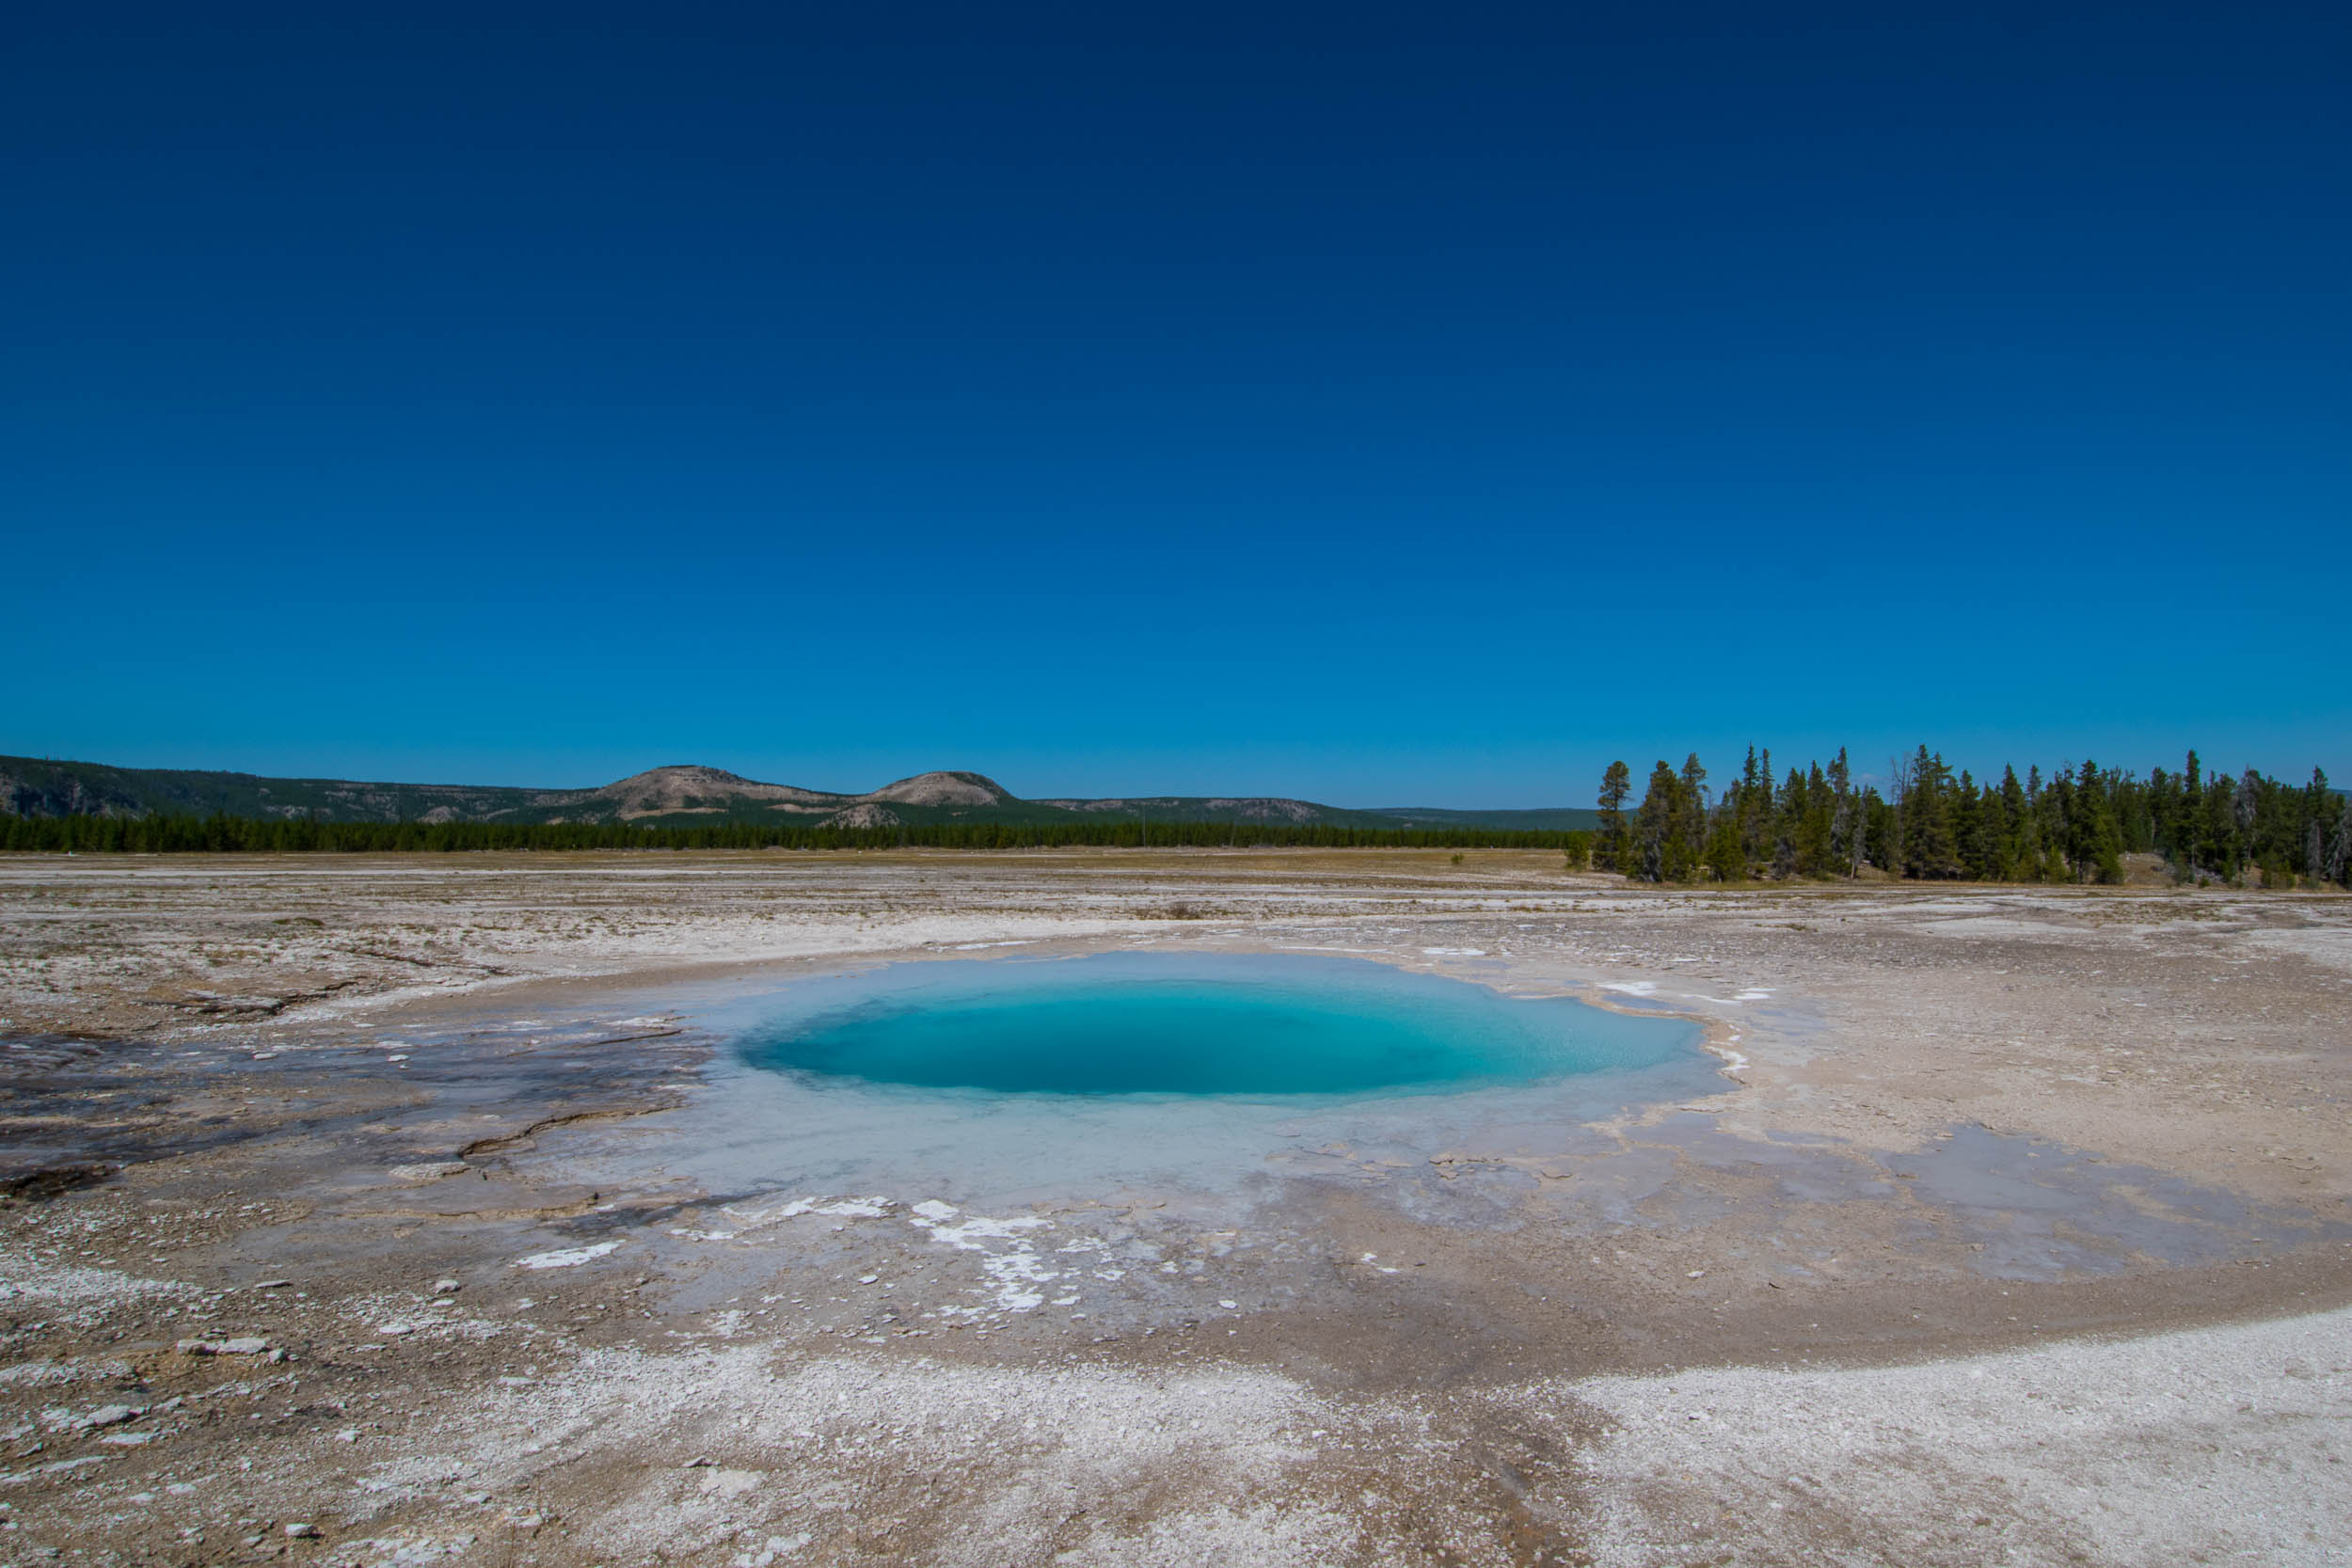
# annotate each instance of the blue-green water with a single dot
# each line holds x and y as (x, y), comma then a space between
(1162, 1024)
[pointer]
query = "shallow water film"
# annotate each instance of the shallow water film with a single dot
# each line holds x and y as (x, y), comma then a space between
(1162, 1025)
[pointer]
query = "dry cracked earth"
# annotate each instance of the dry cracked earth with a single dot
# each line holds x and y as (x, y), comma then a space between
(362, 1212)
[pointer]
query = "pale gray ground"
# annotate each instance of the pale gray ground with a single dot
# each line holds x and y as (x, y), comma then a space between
(2016, 1232)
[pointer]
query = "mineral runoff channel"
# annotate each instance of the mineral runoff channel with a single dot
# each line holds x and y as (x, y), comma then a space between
(1992, 1224)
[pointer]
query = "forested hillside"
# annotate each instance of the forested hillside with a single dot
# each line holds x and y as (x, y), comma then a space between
(686, 798)
(1919, 819)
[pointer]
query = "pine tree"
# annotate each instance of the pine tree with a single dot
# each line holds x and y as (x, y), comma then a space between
(1609, 848)
(2058, 824)
(2015, 824)
(1899, 780)
(2190, 823)
(2025, 857)
(2082, 824)
(1926, 845)
(1690, 826)
(1753, 801)
(2312, 809)
(1882, 831)
(1788, 819)
(2102, 837)
(1968, 829)
(1723, 855)
(1654, 825)
(1817, 854)
(1845, 821)
(2223, 850)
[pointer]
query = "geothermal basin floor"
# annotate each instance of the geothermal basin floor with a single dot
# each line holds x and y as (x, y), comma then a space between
(418, 1209)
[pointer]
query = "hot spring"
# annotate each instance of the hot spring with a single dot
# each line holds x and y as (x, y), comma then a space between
(1003, 1080)
(1161, 1024)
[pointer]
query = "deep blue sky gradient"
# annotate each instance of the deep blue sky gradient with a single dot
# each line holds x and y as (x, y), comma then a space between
(1366, 406)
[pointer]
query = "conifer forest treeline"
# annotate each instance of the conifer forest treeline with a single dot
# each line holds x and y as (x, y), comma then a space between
(221, 834)
(2075, 825)
(1917, 820)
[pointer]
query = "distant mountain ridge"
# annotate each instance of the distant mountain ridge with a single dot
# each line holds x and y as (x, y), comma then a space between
(679, 795)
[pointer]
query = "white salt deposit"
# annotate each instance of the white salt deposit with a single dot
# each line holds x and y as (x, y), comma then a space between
(567, 1258)
(1014, 1267)
(2055, 1442)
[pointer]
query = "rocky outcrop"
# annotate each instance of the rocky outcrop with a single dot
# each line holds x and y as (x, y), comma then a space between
(685, 789)
(864, 814)
(945, 789)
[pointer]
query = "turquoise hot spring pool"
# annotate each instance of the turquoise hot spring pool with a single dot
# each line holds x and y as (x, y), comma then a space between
(1156, 1024)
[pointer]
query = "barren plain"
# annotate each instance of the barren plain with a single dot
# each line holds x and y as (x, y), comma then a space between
(382, 1212)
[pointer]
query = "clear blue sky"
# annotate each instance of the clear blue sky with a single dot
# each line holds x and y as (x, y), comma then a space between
(1365, 407)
